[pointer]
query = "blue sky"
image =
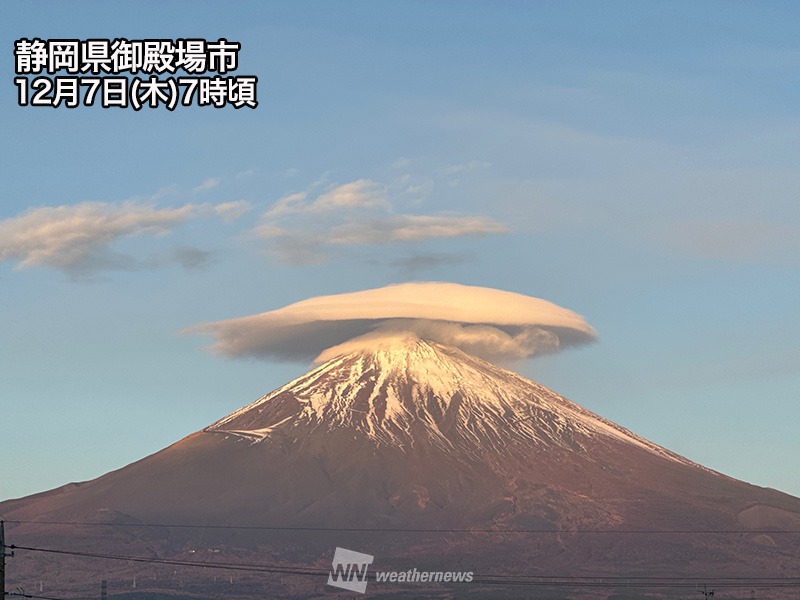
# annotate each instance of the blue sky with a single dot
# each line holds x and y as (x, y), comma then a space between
(635, 162)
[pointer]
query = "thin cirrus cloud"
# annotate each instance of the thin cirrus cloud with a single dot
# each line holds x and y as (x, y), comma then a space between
(428, 260)
(735, 240)
(412, 228)
(493, 324)
(78, 239)
(302, 230)
(208, 184)
(360, 194)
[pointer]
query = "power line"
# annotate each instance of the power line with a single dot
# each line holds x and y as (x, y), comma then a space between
(266, 568)
(24, 595)
(578, 581)
(415, 530)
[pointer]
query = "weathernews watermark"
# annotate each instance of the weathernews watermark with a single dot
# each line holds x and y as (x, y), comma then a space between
(349, 572)
(135, 74)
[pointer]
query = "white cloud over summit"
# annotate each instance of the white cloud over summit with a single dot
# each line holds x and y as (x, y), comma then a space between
(493, 324)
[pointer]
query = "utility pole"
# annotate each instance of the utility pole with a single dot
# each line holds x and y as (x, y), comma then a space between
(103, 589)
(3, 558)
(3, 555)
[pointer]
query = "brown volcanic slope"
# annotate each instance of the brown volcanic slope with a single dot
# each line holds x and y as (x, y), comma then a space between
(416, 435)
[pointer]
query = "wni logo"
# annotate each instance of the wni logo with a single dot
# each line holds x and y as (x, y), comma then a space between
(350, 570)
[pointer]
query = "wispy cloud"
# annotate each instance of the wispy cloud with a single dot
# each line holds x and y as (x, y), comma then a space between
(191, 258)
(303, 228)
(78, 239)
(470, 166)
(208, 184)
(361, 194)
(245, 173)
(426, 261)
(230, 211)
(735, 240)
(411, 228)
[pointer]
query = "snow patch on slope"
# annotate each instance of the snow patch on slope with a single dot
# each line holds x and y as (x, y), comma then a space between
(405, 389)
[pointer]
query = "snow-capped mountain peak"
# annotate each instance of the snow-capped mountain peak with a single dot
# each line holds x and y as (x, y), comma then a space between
(407, 392)
(407, 435)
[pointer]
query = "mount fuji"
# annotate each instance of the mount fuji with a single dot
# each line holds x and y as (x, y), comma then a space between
(416, 451)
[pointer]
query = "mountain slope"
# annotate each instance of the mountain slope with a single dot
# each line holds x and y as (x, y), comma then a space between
(413, 393)
(416, 435)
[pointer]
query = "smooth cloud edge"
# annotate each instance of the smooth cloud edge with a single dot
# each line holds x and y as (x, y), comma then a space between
(317, 328)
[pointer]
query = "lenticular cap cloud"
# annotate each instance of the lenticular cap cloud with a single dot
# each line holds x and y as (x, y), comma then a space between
(490, 323)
